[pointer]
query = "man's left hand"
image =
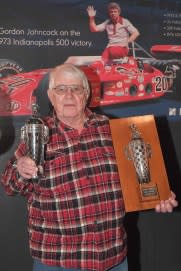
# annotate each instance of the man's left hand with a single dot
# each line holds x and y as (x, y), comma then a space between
(167, 205)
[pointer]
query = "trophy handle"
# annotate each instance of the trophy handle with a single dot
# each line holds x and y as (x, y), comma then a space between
(23, 134)
(46, 134)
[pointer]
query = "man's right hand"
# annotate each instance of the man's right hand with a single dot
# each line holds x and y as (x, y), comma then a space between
(26, 167)
(91, 11)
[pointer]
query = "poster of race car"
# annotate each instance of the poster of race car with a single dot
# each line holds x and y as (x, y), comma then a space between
(145, 81)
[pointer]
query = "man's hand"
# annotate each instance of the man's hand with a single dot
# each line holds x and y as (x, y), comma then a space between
(167, 205)
(91, 11)
(26, 167)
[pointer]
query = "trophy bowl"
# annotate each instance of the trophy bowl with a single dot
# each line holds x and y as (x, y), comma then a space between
(35, 134)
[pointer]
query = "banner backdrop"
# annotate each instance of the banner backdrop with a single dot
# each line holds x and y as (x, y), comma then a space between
(38, 35)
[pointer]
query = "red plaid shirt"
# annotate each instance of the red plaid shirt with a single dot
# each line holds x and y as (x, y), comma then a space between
(76, 211)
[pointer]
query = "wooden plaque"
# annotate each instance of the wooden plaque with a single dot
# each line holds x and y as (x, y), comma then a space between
(141, 166)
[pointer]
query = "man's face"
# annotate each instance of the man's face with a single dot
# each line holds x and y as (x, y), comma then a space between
(113, 14)
(68, 104)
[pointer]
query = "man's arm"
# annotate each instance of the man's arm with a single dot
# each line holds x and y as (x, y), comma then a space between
(133, 36)
(132, 30)
(14, 179)
(92, 24)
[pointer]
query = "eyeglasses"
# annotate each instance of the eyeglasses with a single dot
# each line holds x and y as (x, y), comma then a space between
(62, 89)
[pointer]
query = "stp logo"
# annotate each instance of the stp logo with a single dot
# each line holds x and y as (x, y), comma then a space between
(13, 106)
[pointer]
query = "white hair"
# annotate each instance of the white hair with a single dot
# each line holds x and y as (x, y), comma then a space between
(71, 69)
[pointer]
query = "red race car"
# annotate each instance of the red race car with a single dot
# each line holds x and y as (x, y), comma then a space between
(124, 80)
(16, 93)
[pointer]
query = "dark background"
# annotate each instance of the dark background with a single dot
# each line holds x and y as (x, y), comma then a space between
(153, 239)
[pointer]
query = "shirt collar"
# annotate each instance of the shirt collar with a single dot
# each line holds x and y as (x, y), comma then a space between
(119, 20)
(90, 120)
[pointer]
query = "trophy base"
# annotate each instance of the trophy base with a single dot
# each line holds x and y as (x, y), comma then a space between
(148, 192)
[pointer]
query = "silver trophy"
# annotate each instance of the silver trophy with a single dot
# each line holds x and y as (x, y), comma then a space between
(139, 152)
(35, 134)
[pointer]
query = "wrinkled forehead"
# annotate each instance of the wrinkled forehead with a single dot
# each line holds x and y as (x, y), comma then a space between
(66, 77)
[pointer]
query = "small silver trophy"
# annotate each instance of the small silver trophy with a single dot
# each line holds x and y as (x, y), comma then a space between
(35, 134)
(139, 152)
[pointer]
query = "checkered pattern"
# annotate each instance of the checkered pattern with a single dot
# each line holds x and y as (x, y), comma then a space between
(76, 211)
(140, 160)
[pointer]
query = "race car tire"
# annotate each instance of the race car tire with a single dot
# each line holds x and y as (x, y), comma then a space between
(133, 90)
(148, 88)
(9, 67)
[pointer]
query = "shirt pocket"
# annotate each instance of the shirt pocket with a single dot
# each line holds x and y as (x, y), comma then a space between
(54, 175)
(106, 156)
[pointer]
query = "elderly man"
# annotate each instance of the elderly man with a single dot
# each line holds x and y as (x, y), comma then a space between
(76, 209)
(119, 30)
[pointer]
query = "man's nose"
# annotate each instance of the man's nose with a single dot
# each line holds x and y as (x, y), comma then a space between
(69, 91)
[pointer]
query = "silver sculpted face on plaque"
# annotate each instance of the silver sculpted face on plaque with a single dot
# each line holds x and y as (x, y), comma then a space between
(35, 134)
(139, 152)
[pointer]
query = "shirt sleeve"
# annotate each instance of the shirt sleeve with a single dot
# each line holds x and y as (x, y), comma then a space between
(101, 27)
(129, 26)
(12, 182)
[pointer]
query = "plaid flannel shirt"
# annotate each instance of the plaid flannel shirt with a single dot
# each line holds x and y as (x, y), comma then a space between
(76, 210)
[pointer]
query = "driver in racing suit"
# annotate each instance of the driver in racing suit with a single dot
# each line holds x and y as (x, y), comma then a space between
(119, 30)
